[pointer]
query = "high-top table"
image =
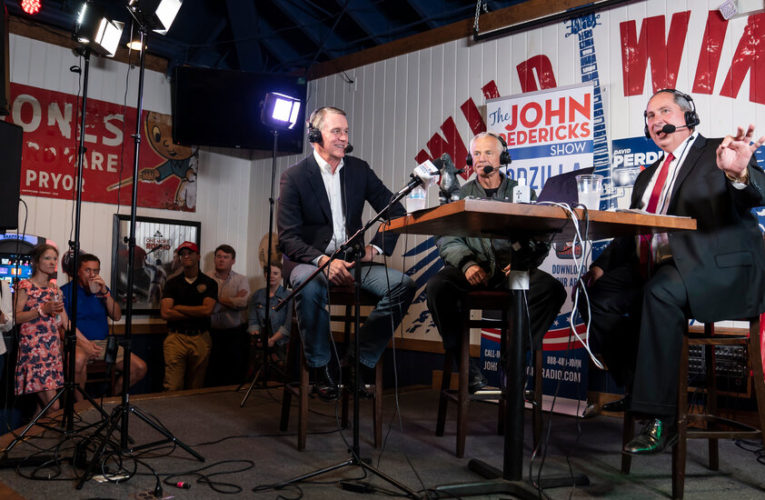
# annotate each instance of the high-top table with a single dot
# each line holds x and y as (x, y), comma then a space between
(497, 219)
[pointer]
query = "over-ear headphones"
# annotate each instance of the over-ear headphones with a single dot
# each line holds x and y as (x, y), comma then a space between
(691, 117)
(504, 156)
(314, 134)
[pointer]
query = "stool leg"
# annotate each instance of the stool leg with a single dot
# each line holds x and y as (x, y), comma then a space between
(303, 405)
(537, 409)
(680, 449)
(377, 413)
(292, 364)
(628, 432)
(462, 396)
(755, 362)
(443, 400)
(711, 376)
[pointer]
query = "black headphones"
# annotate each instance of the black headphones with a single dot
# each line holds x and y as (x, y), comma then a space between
(504, 156)
(691, 117)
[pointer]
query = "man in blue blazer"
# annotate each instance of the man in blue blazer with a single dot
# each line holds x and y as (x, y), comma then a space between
(320, 206)
(643, 290)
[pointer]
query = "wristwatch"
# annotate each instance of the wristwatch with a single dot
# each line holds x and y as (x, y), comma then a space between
(740, 180)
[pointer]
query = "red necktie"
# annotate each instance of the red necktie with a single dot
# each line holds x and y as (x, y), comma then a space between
(645, 239)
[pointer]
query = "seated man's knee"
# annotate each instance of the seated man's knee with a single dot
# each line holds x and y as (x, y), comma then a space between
(80, 361)
(138, 368)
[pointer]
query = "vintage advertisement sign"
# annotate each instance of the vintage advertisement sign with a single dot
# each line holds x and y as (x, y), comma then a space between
(51, 122)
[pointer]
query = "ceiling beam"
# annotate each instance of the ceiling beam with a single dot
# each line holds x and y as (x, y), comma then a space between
(242, 17)
(312, 25)
(515, 14)
(368, 16)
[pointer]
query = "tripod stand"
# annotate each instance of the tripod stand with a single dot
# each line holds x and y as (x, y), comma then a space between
(267, 329)
(70, 341)
(355, 243)
(120, 415)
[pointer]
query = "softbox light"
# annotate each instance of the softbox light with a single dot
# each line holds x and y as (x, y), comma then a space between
(280, 111)
(156, 15)
(93, 29)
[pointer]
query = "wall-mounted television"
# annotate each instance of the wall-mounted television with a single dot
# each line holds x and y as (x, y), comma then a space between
(221, 108)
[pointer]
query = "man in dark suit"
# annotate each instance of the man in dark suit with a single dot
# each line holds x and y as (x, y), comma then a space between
(643, 290)
(320, 206)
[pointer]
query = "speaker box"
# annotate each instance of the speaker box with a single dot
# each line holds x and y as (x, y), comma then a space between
(10, 174)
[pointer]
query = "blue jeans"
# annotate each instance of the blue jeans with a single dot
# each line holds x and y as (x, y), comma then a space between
(313, 314)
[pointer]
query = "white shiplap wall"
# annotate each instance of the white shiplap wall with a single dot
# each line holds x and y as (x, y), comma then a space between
(395, 106)
(224, 182)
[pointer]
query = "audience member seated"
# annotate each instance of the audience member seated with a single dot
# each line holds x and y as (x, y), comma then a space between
(95, 306)
(281, 320)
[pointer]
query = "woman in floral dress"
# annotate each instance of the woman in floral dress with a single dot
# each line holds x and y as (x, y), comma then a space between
(40, 314)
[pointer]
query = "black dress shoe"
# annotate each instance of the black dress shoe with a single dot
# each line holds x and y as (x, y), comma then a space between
(476, 378)
(367, 377)
(620, 405)
(324, 386)
(657, 434)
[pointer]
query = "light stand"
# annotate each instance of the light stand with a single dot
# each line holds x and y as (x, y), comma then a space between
(355, 243)
(121, 413)
(266, 331)
(278, 111)
(70, 341)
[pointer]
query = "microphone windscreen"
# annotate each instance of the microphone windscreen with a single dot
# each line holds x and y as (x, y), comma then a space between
(348, 149)
(488, 169)
(668, 128)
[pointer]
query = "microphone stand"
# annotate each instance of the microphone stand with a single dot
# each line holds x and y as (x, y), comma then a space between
(354, 242)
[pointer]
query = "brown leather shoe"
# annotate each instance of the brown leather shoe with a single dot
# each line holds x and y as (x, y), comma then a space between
(657, 434)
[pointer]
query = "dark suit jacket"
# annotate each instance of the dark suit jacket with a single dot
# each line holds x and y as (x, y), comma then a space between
(723, 262)
(304, 217)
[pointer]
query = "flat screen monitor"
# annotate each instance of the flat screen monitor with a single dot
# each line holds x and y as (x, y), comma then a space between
(15, 267)
(222, 108)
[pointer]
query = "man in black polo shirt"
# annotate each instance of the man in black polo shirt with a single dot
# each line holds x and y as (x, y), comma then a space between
(187, 303)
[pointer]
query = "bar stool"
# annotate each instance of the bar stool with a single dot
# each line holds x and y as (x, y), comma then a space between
(487, 300)
(339, 296)
(709, 425)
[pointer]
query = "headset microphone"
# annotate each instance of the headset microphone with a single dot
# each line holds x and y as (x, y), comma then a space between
(488, 169)
(348, 149)
(669, 128)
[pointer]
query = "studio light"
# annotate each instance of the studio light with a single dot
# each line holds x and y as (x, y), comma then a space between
(96, 31)
(280, 111)
(135, 45)
(31, 7)
(156, 15)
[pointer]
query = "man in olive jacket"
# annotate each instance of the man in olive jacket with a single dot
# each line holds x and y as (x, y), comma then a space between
(483, 263)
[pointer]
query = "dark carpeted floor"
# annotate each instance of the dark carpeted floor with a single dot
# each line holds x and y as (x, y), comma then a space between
(244, 449)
